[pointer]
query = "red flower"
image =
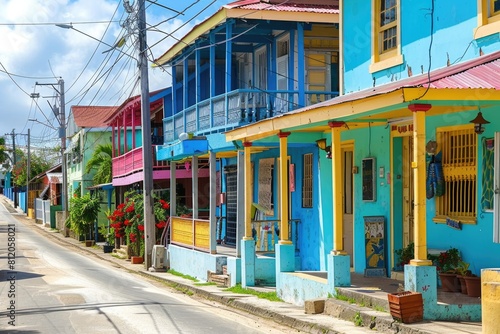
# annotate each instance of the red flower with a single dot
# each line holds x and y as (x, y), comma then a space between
(164, 204)
(130, 208)
(161, 224)
(127, 222)
(132, 237)
(140, 227)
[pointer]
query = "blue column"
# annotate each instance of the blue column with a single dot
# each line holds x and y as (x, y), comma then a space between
(247, 262)
(339, 272)
(423, 279)
(285, 261)
(301, 64)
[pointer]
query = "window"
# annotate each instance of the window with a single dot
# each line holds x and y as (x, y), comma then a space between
(387, 25)
(488, 18)
(459, 160)
(386, 49)
(307, 181)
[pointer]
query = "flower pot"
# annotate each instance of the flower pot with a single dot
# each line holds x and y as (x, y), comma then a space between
(89, 243)
(108, 248)
(136, 259)
(449, 282)
(473, 286)
(463, 285)
(406, 306)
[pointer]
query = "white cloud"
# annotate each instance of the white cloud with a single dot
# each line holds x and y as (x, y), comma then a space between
(43, 52)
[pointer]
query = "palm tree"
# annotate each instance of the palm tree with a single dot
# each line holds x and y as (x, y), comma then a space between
(101, 162)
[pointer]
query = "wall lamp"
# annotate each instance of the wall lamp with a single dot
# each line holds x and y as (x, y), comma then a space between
(321, 143)
(479, 121)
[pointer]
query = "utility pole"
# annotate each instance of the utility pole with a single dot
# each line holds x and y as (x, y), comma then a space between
(61, 117)
(28, 173)
(147, 151)
(14, 165)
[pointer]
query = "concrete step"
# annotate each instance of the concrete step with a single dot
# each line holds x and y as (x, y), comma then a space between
(219, 279)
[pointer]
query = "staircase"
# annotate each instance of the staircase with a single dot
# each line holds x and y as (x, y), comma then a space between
(221, 279)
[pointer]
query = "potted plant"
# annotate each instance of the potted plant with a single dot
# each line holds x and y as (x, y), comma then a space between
(404, 256)
(473, 283)
(462, 271)
(109, 238)
(83, 213)
(447, 263)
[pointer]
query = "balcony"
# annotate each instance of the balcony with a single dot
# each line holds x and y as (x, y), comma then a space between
(131, 162)
(234, 109)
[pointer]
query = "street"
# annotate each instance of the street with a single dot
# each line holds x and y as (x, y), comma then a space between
(48, 288)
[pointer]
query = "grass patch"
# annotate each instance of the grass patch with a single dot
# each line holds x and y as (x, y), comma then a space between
(205, 284)
(379, 308)
(358, 320)
(176, 273)
(271, 296)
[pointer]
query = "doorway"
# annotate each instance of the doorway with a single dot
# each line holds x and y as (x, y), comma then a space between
(347, 202)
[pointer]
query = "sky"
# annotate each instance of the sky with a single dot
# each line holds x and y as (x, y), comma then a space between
(35, 53)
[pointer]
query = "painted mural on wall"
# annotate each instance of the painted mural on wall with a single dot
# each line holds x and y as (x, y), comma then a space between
(374, 242)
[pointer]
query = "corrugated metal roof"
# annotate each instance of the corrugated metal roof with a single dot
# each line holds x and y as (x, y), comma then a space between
(91, 116)
(287, 7)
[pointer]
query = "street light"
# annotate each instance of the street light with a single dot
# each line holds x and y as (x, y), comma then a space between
(37, 121)
(118, 44)
(60, 116)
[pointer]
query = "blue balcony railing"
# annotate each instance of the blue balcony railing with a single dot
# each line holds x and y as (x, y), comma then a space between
(234, 109)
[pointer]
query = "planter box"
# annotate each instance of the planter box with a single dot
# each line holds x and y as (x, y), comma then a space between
(406, 306)
(107, 248)
(473, 286)
(136, 259)
(89, 243)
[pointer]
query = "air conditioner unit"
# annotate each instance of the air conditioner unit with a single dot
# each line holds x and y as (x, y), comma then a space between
(158, 258)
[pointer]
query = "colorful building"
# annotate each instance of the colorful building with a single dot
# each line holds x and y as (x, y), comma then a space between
(411, 143)
(250, 62)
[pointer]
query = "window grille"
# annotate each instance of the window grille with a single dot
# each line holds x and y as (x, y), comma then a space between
(459, 161)
(307, 181)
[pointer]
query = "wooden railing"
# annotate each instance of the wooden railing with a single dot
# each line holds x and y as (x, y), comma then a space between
(191, 233)
(132, 161)
(266, 234)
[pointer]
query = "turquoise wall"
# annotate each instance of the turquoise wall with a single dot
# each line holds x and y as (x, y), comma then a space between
(370, 142)
(475, 242)
(453, 23)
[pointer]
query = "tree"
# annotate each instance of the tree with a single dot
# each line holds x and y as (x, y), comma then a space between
(38, 164)
(101, 162)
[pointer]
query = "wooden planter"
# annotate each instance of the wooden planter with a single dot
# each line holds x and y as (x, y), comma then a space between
(473, 286)
(89, 243)
(136, 259)
(406, 306)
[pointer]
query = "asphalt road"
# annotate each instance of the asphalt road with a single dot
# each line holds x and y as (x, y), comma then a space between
(48, 288)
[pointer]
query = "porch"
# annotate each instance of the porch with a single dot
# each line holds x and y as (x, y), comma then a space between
(236, 108)
(131, 162)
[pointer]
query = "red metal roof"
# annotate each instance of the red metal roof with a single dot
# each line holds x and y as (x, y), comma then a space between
(91, 116)
(318, 6)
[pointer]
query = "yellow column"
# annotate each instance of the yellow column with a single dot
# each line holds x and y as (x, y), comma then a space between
(283, 188)
(337, 214)
(419, 166)
(248, 191)
(490, 299)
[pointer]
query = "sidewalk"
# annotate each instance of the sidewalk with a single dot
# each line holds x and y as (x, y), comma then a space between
(280, 312)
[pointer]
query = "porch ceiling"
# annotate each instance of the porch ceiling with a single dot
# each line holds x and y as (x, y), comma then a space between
(364, 111)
